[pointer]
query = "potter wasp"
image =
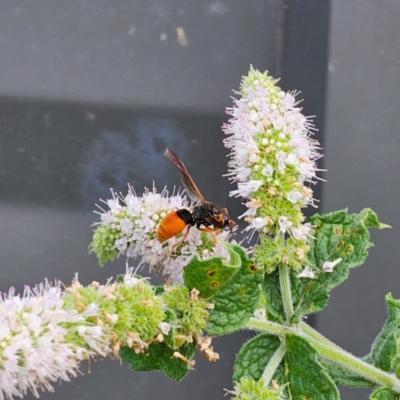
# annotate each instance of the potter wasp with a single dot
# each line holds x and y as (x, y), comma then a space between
(207, 216)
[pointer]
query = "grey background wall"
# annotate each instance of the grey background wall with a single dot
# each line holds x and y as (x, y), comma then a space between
(91, 92)
(362, 143)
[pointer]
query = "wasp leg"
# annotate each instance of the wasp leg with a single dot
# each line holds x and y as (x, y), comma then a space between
(182, 240)
(212, 231)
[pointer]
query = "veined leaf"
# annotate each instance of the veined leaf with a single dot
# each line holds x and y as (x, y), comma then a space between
(385, 353)
(208, 276)
(384, 393)
(237, 297)
(159, 356)
(301, 373)
(254, 356)
(306, 377)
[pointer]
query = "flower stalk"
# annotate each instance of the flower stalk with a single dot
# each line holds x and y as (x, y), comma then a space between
(273, 363)
(286, 292)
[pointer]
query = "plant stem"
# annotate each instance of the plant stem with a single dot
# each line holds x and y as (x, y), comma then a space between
(328, 350)
(311, 332)
(356, 365)
(286, 292)
(273, 363)
(269, 327)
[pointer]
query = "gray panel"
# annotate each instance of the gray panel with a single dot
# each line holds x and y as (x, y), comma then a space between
(134, 52)
(362, 147)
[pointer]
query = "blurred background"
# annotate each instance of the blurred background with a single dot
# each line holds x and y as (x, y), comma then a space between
(91, 93)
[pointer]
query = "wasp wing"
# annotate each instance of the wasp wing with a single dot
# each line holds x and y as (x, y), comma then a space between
(187, 181)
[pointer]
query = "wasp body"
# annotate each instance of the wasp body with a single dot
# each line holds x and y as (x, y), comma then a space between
(205, 215)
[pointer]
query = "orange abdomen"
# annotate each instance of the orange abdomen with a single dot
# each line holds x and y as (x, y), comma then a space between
(170, 225)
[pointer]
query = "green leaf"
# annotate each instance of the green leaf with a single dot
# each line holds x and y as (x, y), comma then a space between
(237, 298)
(337, 235)
(306, 377)
(344, 376)
(273, 297)
(385, 353)
(384, 393)
(371, 220)
(300, 371)
(159, 356)
(208, 276)
(254, 356)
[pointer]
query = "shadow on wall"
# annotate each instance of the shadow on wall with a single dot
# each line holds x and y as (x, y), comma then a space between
(114, 159)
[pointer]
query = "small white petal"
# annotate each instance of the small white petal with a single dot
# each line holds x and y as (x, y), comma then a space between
(246, 188)
(329, 265)
(92, 309)
(253, 158)
(126, 225)
(243, 173)
(281, 156)
(107, 217)
(284, 223)
(165, 327)
(113, 204)
(130, 281)
(257, 223)
(254, 116)
(260, 314)
(268, 170)
(302, 232)
(306, 273)
(292, 159)
(121, 244)
(294, 195)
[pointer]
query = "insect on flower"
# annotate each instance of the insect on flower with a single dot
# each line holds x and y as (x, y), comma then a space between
(207, 216)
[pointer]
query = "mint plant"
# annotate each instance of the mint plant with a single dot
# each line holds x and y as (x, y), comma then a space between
(215, 286)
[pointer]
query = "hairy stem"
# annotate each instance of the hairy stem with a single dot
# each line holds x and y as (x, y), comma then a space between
(286, 292)
(270, 327)
(273, 363)
(312, 333)
(354, 364)
(328, 350)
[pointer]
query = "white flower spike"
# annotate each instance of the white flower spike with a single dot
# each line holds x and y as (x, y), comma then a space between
(273, 162)
(130, 227)
(272, 155)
